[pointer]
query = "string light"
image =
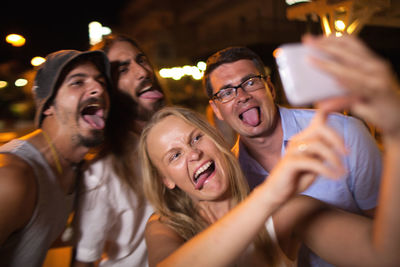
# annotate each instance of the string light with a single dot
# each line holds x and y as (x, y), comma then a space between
(176, 73)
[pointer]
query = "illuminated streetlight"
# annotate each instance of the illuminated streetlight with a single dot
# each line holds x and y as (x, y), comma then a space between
(352, 14)
(21, 82)
(197, 74)
(15, 40)
(97, 31)
(177, 73)
(201, 65)
(36, 61)
(3, 84)
(292, 2)
(340, 25)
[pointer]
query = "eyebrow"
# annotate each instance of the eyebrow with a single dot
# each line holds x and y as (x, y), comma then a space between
(83, 75)
(187, 141)
(76, 75)
(128, 61)
(139, 55)
(124, 63)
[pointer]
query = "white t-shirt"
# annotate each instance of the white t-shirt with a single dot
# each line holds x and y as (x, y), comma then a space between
(109, 220)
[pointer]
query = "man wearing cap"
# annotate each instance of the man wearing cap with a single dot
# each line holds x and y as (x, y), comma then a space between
(38, 172)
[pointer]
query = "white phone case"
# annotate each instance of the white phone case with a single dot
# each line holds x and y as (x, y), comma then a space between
(303, 83)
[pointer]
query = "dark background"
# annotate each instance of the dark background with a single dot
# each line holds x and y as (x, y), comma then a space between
(171, 32)
(50, 27)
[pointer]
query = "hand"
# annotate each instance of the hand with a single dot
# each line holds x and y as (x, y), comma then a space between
(374, 91)
(315, 151)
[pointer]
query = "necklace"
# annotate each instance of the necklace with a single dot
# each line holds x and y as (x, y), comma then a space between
(53, 152)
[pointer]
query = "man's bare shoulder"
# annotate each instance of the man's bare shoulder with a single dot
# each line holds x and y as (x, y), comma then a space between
(14, 170)
(17, 189)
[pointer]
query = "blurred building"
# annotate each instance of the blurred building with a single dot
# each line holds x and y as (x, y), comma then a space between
(176, 30)
(179, 32)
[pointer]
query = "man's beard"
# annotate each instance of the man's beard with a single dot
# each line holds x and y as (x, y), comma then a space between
(144, 114)
(96, 139)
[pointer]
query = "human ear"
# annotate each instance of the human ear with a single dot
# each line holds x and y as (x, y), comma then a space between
(168, 182)
(216, 110)
(48, 111)
(271, 87)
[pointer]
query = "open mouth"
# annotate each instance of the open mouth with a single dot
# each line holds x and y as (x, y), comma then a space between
(93, 114)
(251, 116)
(150, 93)
(202, 174)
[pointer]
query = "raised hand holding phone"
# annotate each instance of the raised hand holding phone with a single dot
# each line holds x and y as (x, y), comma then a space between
(372, 88)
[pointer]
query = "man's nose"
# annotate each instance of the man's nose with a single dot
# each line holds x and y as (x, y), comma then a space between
(242, 95)
(96, 88)
(140, 71)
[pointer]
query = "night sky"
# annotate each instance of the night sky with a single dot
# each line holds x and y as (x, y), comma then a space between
(47, 28)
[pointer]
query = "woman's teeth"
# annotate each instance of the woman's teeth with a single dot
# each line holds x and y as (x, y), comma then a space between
(201, 170)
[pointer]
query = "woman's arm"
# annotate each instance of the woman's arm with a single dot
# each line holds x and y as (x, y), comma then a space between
(218, 245)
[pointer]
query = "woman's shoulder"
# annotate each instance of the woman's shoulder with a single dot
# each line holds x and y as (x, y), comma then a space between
(158, 229)
(155, 222)
(161, 239)
(154, 219)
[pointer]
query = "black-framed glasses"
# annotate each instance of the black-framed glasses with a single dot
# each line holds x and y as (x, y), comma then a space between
(251, 84)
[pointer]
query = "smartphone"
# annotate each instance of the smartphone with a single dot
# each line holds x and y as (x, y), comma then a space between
(302, 82)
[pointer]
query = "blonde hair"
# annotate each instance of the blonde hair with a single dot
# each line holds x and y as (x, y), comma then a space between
(174, 206)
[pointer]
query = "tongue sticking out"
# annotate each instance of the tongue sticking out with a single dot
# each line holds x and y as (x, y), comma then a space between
(204, 177)
(200, 182)
(95, 121)
(153, 94)
(251, 117)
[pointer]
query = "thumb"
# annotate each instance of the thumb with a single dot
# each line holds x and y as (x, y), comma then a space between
(320, 117)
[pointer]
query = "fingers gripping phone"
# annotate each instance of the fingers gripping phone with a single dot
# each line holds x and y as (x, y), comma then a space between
(304, 83)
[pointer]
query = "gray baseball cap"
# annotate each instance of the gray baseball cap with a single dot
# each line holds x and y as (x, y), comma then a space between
(48, 75)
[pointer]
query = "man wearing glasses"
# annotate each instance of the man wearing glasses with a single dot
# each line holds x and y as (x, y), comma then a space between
(243, 96)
